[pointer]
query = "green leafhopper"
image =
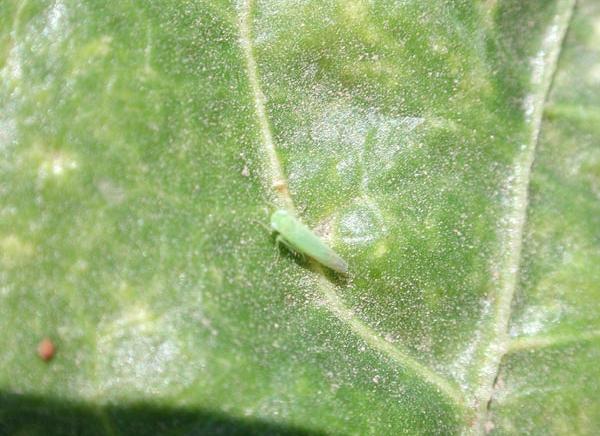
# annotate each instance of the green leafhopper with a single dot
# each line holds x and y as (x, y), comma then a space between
(301, 239)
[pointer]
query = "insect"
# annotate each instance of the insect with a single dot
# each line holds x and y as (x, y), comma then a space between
(297, 237)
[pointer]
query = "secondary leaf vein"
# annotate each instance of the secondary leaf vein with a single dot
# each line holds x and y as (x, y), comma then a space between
(544, 341)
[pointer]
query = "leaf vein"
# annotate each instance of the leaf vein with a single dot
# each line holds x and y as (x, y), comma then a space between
(546, 341)
(516, 217)
(277, 177)
(278, 181)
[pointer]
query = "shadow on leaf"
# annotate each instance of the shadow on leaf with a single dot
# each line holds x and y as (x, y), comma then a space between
(32, 416)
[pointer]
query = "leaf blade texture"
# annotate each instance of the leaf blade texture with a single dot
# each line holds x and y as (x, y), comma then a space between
(448, 150)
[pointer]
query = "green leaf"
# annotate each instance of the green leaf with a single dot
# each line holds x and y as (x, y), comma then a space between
(549, 377)
(447, 149)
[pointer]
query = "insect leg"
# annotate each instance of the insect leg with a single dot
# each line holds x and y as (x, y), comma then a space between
(263, 225)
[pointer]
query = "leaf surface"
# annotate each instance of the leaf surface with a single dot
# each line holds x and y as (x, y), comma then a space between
(426, 141)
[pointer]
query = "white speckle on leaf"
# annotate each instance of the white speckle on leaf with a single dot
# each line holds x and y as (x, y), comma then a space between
(140, 352)
(56, 166)
(55, 19)
(350, 138)
(361, 224)
(536, 319)
(463, 361)
(13, 69)
(112, 193)
(8, 131)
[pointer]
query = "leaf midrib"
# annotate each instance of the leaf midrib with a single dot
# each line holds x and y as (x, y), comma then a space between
(499, 344)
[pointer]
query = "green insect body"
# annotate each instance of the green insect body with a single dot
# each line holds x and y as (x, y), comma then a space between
(300, 238)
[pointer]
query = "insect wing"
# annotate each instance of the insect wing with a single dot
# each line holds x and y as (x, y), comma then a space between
(305, 241)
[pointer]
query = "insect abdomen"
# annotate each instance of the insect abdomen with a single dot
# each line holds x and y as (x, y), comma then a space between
(305, 241)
